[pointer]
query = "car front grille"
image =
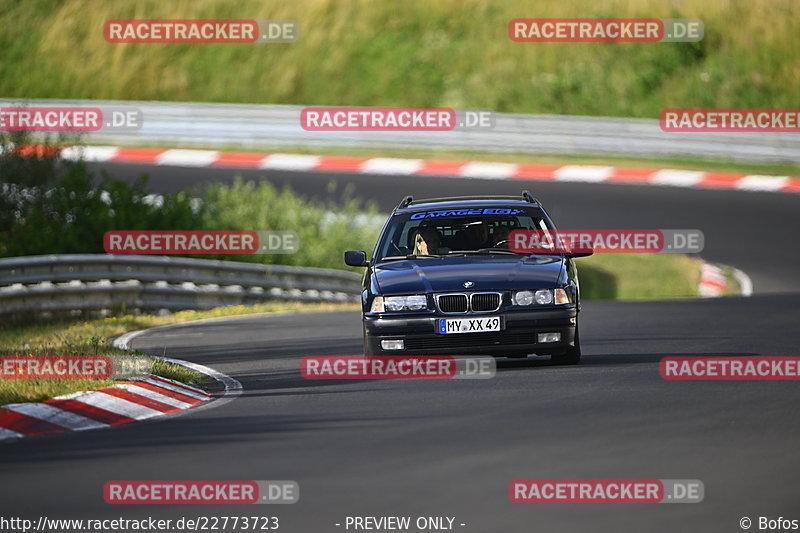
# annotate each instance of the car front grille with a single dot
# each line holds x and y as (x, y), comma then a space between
(485, 301)
(478, 302)
(453, 303)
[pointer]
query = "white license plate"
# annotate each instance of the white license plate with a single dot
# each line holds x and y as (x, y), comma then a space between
(448, 326)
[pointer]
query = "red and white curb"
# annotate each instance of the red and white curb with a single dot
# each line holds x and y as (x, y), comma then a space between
(713, 282)
(128, 401)
(429, 167)
(233, 388)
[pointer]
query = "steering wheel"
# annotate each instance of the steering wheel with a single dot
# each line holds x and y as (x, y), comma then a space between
(499, 244)
(402, 250)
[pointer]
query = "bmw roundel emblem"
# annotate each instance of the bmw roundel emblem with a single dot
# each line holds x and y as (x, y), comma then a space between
(468, 284)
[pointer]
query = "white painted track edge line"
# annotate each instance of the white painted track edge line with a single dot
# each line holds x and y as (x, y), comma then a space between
(233, 388)
(745, 283)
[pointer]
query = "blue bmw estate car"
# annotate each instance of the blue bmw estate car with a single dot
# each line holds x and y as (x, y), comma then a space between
(443, 280)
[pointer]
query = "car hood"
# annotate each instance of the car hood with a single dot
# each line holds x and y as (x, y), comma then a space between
(446, 274)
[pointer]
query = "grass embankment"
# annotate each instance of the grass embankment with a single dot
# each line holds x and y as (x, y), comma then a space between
(638, 276)
(453, 53)
(93, 337)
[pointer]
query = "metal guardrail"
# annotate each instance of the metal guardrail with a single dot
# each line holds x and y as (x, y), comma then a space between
(100, 282)
(271, 126)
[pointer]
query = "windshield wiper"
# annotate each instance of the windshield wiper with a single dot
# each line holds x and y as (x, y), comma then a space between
(409, 256)
(483, 251)
(496, 251)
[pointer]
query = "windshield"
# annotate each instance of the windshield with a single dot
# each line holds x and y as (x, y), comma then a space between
(439, 233)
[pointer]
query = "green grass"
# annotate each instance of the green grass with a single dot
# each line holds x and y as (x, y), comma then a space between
(638, 276)
(176, 372)
(70, 339)
(37, 390)
(452, 53)
(644, 276)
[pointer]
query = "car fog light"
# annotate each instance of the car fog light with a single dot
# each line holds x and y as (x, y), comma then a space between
(549, 337)
(392, 345)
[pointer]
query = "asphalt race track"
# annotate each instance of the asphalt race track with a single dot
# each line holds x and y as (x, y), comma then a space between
(450, 448)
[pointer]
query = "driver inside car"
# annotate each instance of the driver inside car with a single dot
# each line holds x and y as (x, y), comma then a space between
(500, 236)
(474, 237)
(427, 242)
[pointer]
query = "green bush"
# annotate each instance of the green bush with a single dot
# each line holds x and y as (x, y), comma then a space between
(54, 206)
(324, 230)
(50, 205)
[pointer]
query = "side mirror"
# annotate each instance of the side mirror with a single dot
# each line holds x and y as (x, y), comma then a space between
(356, 258)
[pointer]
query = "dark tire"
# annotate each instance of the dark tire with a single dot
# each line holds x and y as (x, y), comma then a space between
(573, 354)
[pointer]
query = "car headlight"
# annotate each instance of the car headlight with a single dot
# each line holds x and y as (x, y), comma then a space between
(415, 302)
(540, 297)
(522, 298)
(543, 296)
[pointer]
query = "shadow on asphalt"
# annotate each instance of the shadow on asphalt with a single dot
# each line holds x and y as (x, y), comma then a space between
(184, 431)
(289, 382)
(609, 359)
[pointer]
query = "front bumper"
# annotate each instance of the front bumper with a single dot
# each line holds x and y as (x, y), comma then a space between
(518, 334)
